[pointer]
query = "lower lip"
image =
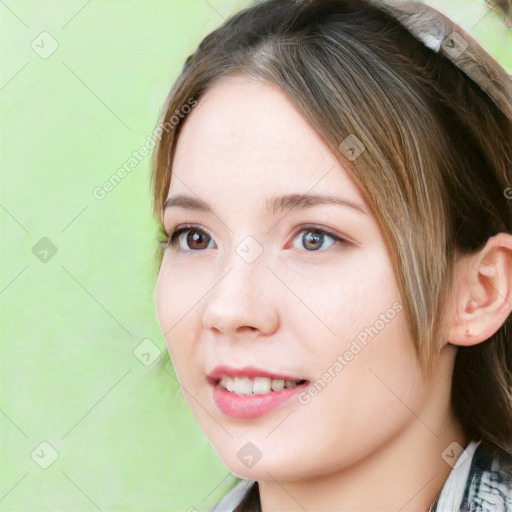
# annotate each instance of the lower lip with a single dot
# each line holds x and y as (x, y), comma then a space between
(252, 406)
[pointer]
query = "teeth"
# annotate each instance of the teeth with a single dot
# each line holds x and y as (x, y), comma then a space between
(261, 385)
(277, 385)
(242, 386)
(256, 386)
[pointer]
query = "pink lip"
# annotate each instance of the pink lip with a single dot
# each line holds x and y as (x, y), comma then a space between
(252, 406)
(249, 406)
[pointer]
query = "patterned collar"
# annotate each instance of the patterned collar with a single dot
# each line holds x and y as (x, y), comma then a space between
(481, 483)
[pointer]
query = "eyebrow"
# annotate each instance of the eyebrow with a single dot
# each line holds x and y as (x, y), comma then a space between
(274, 205)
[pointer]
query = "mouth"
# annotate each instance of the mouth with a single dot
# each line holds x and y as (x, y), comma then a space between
(252, 381)
(250, 392)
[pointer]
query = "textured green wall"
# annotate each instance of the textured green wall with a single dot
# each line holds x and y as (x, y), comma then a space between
(86, 423)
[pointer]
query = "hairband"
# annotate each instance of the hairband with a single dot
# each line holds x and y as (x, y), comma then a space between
(444, 37)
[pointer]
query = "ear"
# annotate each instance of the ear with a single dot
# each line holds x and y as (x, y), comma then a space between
(481, 295)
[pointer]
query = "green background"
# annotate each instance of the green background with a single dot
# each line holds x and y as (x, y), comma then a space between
(79, 367)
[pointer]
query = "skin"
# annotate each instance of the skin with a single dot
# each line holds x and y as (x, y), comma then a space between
(372, 438)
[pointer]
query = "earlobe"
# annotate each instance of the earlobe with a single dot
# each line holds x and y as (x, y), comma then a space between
(481, 295)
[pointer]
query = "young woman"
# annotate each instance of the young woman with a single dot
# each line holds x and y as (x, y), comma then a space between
(334, 179)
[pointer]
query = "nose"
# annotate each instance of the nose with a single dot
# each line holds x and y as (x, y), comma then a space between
(242, 301)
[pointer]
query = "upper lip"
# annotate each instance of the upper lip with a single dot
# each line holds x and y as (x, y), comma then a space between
(247, 371)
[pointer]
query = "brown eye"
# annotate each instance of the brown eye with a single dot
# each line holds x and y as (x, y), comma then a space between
(197, 240)
(191, 239)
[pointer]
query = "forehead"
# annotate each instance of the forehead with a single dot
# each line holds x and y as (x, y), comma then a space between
(248, 135)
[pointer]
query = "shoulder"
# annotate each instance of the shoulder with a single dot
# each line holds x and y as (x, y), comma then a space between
(489, 482)
(233, 497)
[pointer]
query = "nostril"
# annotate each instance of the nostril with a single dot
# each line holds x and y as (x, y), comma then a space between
(247, 328)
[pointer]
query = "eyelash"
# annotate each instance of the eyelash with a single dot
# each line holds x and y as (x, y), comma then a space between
(172, 239)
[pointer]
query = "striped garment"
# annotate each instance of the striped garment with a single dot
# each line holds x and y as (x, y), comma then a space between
(480, 481)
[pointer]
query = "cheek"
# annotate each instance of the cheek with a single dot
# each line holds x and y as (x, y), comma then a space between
(337, 301)
(177, 295)
(361, 355)
(178, 290)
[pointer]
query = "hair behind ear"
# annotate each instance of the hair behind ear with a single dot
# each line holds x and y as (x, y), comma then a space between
(481, 386)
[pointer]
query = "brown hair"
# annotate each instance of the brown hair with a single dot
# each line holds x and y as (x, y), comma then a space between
(436, 160)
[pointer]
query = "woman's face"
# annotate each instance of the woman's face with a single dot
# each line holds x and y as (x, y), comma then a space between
(259, 280)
